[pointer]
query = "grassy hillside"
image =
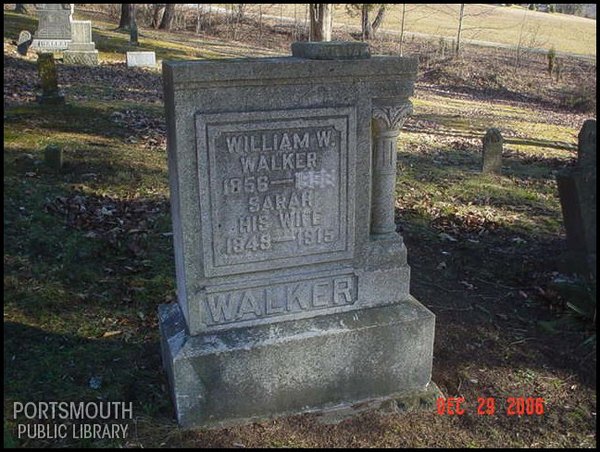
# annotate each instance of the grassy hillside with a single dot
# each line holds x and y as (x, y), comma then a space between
(504, 25)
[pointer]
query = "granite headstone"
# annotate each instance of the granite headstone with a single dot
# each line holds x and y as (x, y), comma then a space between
(81, 50)
(48, 80)
(492, 151)
(577, 192)
(141, 59)
(292, 283)
(54, 27)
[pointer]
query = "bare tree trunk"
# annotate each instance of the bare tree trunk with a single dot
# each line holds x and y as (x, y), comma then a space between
(167, 19)
(321, 22)
(198, 18)
(260, 21)
(379, 18)
(402, 27)
(124, 23)
(133, 31)
(156, 14)
(20, 8)
(367, 30)
(460, 21)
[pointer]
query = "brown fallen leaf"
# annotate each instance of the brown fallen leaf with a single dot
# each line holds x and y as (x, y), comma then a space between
(111, 333)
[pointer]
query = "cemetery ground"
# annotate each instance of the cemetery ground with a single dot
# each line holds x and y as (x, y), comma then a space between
(88, 254)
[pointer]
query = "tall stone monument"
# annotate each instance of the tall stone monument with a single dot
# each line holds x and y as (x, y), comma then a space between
(54, 27)
(292, 283)
(577, 192)
(82, 49)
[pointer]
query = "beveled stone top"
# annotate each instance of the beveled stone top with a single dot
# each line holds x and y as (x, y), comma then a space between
(331, 50)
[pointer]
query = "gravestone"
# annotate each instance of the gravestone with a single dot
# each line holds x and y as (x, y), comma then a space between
(54, 27)
(577, 192)
(24, 42)
(492, 151)
(292, 283)
(81, 50)
(141, 59)
(53, 157)
(48, 80)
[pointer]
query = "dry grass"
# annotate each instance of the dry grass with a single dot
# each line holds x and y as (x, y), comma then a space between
(566, 33)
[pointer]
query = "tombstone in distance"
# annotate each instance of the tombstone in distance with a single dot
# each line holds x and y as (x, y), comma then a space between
(492, 151)
(24, 42)
(51, 95)
(54, 27)
(81, 50)
(293, 286)
(141, 59)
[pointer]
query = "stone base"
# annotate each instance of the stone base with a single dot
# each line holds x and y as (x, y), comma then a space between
(81, 58)
(55, 99)
(240, 375)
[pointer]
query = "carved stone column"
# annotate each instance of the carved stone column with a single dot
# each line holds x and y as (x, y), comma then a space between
(388, 117)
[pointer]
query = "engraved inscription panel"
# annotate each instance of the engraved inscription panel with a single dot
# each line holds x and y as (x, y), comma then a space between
(275, 188)
(263, 304)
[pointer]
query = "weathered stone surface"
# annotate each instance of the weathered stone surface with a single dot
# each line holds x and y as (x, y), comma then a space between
(291, 367)
(577, 192)
(141, 59)
(53, 157)
(24, 42)
(54, 27)
(332, 50)
(81, 57)
(48, 80)
(492, 151)
(282, 176)
(82, 51)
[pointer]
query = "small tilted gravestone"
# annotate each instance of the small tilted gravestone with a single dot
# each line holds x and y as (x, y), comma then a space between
(24, 42)
(292, 282)
(492, 152)
(141, 59)
(53, 157)
(49, 80)
(81, 50)
(577, 192)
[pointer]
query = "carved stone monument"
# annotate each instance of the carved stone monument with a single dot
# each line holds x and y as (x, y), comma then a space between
(492, 152)
(82, 49)
(54, 27)
(292, 283)
(577, 192)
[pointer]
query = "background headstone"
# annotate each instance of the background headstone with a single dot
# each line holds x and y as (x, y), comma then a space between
(81, 49)
(53, 157)
(54, 27)
(48, 80)
(293, 285)
(577, 192)
(492, 151)
(24, 42)
(141, 59)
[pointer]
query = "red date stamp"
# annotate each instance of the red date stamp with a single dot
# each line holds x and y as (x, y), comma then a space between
(487, 406)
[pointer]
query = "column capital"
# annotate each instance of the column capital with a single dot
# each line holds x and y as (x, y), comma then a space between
(389, 114)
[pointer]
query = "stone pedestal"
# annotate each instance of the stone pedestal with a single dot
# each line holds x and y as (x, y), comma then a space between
(293, 286)
(314, 364)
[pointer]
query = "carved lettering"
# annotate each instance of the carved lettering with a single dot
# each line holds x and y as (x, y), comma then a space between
(282, 299)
